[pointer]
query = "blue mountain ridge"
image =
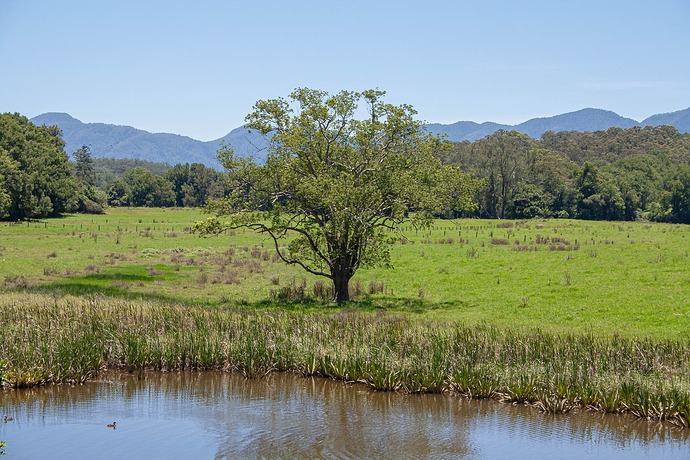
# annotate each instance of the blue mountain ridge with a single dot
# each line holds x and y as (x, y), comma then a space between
(115, 141)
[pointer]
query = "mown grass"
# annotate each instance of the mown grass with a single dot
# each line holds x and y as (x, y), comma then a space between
(52, 339)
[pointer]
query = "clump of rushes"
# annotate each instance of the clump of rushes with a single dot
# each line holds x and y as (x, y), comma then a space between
(47, 339)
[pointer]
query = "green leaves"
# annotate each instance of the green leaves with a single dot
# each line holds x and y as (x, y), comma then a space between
(336, 186)
(35, 176)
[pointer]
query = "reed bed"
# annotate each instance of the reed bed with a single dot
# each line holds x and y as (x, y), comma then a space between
(49, 339)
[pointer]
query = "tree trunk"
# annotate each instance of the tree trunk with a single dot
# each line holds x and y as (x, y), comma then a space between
(341, 286)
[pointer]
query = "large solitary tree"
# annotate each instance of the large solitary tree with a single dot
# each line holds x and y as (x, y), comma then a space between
(338, 181)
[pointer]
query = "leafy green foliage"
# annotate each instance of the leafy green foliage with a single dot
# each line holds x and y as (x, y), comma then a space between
(92, 200)
(109, 169)
(617, 174)
(336, 185)
(83, 168)
(194, 184)
(35, 176)
(140, 187)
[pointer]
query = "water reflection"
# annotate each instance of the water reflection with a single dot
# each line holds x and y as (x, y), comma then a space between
(220, 415)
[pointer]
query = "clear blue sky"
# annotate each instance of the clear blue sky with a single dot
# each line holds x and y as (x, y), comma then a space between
(197, 67)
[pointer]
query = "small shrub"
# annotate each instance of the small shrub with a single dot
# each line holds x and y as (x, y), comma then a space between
(152, 271)
(249, 266)
(500, 241)
(375, 287)
(17, 282)
(227, 277)
(290, 293)
(120, 284)
(177, 258)
(560, 247)
(356, 289)
(323, 291)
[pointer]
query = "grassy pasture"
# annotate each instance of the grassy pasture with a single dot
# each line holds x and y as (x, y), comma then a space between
(557, 314)
(627, 278)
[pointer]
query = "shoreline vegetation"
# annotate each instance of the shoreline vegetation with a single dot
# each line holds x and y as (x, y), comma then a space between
(54, 339)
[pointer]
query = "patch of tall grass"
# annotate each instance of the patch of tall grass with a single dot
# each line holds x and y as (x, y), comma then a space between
(50, 339)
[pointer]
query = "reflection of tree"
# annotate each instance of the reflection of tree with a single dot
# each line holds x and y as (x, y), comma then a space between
(322, 418)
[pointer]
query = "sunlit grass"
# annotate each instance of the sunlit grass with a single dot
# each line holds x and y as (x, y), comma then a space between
(632, 279)
(51, 339)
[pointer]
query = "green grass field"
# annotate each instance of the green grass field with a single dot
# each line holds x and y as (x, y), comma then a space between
(556, 314)
(627, 278)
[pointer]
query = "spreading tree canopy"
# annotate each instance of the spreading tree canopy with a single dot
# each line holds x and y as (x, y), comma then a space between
(35, 176)
(335, 188)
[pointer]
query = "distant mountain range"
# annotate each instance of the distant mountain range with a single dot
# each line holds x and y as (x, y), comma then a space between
(582, 120)
(116, 141)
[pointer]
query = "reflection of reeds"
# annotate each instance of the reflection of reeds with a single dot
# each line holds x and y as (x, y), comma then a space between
(44, 339)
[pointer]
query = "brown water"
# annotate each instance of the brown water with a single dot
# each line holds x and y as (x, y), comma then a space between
(221, 415)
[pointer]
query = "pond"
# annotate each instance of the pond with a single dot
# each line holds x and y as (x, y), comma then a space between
(222, 415)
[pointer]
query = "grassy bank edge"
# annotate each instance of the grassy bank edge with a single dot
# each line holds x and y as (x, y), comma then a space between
(63, 339)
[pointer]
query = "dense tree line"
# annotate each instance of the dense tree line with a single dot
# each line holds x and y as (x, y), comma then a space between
(617, 174)
(181, 185)
(108, 169)
(37, 178)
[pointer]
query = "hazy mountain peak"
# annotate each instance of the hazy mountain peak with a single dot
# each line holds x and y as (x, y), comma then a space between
(106, 140)
(54, 118)
(680, 119)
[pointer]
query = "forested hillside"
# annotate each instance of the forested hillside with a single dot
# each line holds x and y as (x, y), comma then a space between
(617, 174)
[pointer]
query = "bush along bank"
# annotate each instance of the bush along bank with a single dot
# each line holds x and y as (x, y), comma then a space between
(46, 339)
